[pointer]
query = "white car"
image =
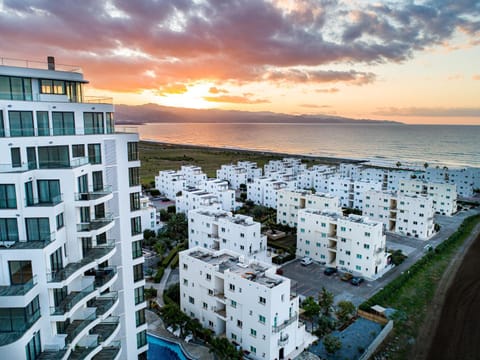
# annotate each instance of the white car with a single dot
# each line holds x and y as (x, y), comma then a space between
(306, 261)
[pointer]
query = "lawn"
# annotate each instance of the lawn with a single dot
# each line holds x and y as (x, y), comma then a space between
(158, 156)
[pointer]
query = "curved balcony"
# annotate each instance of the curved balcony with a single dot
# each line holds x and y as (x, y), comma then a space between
(105, 304)
(94, 196)
(104, 277)
(110, 352)
(29, 244)
(72, 300)
(93, 256)
(17, 328)
(289, 321)
(80, 327)
(18, 289)
(96, 226)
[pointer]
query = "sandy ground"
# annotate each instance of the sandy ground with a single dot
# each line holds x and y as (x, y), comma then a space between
(451, 329)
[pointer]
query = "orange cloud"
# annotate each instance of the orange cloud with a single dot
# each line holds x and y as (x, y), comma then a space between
(215, 90)
(327, 91)
(234, 99)
(172, 89)
(476, 77)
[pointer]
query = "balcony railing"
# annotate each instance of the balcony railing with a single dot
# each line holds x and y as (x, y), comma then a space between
(30, 64)
(95, 224)
(106, 328)
(77, 326)
(52, 201)
(109, 352)
(81, 352)
(20, 329)
(283, 340)
(30, 243)
(93, 194)
(19, 289)
(71, 300)
(103, 303)
(103, 276)
(277, 328)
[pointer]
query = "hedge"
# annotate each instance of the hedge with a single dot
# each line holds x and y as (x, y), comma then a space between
(159, 274)
(174, 262)
(283, 259)
(390, 290)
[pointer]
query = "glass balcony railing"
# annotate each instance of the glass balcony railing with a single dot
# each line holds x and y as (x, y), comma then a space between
(52, 201)
(81, 352)
(21, 327)
(30, 64)
(18, 289)
(109, 352)
(77, 326)
(93, 194)
(106, 328)
(95, 224)
(32, 244)
(71, 300)
(104, 302)
(104, 275)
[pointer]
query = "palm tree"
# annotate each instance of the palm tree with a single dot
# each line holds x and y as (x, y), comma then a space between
(425, 165)
(311, 309)
(398, 164)
(325, 300)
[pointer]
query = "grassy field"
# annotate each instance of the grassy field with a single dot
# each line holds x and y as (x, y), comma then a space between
(158, 156)
(413, 294)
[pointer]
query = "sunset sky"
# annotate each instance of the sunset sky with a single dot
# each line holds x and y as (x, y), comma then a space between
(413, 61)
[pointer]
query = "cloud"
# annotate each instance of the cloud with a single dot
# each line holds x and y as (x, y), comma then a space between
(234, 99)
(476, 77)
(186, 41)
(430, 112)
(172, 89)
(327, 91)
(215, 90)
(315, 106)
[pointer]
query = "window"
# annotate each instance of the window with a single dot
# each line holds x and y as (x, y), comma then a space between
(343, 228)
(136, 249)
(63, 123)
(132, 151)
(137, 272)
(60, 221)
(34, 347)
(233, 303)
(134, 176)
(93, 122)
(140, 317)
(21, 123)
(253, 349)
(43, 128)
(16, 158)
(141, 339)
(48, 191)
(191, 300)
(136, 225)
(20, 272)
(253, 332)
(366, 246)
(347, 252)
(208, 277)
(135, 201)
(38, 229)
(56, 260)
(53, 157)
(261, 319)
(205, 306)
(97, 178)
(110, 125)
(359, 256)
(94, 154)
(139, 295)
(78, 150)
(15, 88)
(56, 87)
(2, 126)
(367, 234)
(262, 300)
(232, 287)
(358, 267)
(8, 197)
(19, 319)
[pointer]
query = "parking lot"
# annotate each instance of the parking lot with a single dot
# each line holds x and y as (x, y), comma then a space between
(309, 280)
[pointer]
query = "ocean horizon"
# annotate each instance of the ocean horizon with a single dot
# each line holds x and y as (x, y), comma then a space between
(438, 145)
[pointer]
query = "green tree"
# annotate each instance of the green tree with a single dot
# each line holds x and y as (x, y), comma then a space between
(425, 165)
(311, 309)
(325, 325)
(398, 164)
(332, 344)
(345, 311)
(325, 300)
(222, 349)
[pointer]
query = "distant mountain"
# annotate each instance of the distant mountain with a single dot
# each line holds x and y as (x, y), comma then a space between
(153, 113)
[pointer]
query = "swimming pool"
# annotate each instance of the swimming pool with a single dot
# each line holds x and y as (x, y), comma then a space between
(161, 349)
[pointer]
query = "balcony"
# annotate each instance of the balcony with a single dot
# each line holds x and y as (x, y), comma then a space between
(93, 194)
(109, 352)
(20, 329)
(92, 255)
(283, 340)
(104, 303)
(52, 201)
(82, 351)
(71, 300)
(222, 313)
(289, 321)
(77, 326)
(95, 224)
(103, 276)
(106, 328)
(18, 290)
(29, 244)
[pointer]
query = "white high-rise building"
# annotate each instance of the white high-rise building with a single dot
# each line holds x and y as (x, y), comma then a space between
(410, 215)
(220, 230)
(170, 183)
(71, 279)
(444, 195)
(354, 243)
(243, 300)
(291, 201)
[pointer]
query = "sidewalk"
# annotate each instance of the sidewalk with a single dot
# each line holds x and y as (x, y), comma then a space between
(160, 286)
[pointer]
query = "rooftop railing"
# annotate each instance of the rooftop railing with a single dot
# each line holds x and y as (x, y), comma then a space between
(41, 65)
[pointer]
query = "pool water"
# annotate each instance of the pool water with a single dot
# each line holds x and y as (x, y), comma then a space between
(160, 349)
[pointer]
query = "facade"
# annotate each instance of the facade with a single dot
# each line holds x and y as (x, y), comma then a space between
(194, 175)
(292, 166)
(243, 300)
(220, 230)
(411, 215)
(252, 170)
(291, 201)
(193, 198)
(263, 191)
(71, 279)
(444, 195)
(241, 173)
(150, 218)
(355, 244)
(466, 179)
(351, 192)
(170, 183)
(225, 195)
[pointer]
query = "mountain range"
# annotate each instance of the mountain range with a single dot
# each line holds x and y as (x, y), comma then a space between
(153, 113)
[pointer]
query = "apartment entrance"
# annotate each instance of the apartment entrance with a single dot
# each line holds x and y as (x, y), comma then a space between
(281, 353)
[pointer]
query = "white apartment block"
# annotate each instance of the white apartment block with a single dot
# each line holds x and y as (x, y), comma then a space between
(194, 175)
(291, 201)
(192, 199)
(252, 170)
(444, 195)
(220, 230)
(292, 166)
(351, 193)
(170, 182)
(354, 243)
(241, 173)
(225, 195)
(263, 191)
(71, 278)
(410, 215)
(466, 179)
(243, 300)
(314, 177)
(150, 218)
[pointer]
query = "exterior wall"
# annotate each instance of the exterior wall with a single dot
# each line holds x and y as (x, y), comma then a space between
(170, 182)
(263, 191)
(194, 175)
(466, 179)
(192, 199)
(108, 227)
(150, 218)
(355, 244)
(225, 195)
(227, 296)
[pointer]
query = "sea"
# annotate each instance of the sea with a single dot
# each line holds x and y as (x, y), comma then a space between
(438, 145)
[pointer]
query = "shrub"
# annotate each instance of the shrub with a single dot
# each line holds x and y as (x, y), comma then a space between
(158, 276)
(174, 262)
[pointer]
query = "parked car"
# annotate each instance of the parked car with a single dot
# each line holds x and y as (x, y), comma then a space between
(356, 281)
(346, 277)
(330, 271)
(306, 261)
